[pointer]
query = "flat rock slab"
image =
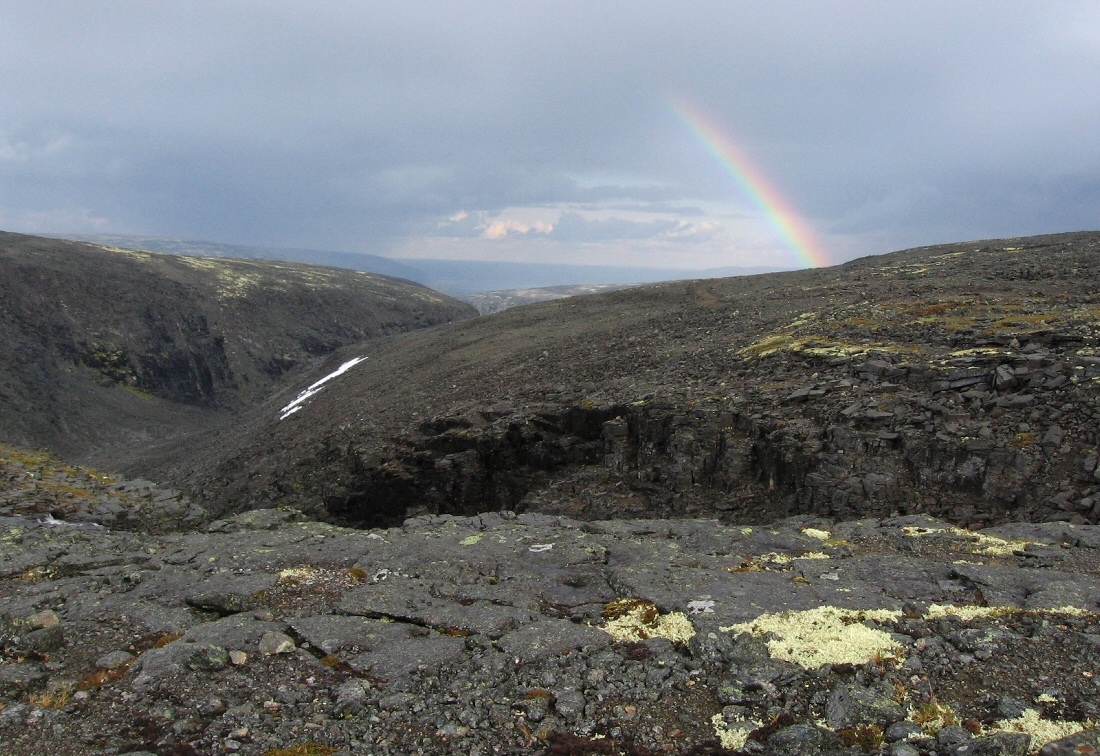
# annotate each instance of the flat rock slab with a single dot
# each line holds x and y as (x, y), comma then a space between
(503, 624)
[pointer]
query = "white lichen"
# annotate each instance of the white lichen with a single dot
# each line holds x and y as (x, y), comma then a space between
(979, 543)
(936, 611)
(297, 573)
(825, 635)
(733, 737)
(821, 535)
(1042, 731)
(633, 620)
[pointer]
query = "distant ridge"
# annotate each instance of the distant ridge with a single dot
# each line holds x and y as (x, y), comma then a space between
(458, 278)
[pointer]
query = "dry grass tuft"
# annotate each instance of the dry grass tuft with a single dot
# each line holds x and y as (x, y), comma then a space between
(165, 639)
(311, 748)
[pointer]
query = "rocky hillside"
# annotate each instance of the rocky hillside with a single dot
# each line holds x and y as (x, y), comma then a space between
(961, 381)
(102, 346)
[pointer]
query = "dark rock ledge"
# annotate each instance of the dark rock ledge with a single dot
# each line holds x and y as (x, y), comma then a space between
(490, 634)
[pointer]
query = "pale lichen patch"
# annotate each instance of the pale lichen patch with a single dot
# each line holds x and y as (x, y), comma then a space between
(821, 535)
(633, 620)
(979, 543)
(129, 252)
(733, 737)
(979, 352)
(297, 574)
(935, 611)
(825, 635)
(1042, 731)
(966, 613)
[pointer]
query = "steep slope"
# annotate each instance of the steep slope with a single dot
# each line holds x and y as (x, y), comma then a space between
(961, 380)
(102, 346)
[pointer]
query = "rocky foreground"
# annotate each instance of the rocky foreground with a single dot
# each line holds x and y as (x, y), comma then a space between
(270, 634)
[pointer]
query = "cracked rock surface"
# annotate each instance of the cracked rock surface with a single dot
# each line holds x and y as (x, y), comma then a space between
(518, 634)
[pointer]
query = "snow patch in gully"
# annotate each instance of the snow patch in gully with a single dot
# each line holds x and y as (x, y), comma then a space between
(316, 387)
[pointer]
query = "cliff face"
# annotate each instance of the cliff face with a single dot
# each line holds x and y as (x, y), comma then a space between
(851, 443)
(102, 345)
(961, 381)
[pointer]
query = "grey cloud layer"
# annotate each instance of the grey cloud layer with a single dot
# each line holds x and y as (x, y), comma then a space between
(352, 126)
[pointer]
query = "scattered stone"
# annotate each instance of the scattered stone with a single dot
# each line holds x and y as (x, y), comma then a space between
(803, 739)
(44, 620)
(207, 658)
(276, 643)
(18, 679)
(1086, 742)
(851, 704)
(114, 660)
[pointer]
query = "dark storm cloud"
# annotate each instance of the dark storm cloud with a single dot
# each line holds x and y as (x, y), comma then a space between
(366, 126)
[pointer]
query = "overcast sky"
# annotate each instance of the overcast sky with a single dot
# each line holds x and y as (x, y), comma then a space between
(552, 131)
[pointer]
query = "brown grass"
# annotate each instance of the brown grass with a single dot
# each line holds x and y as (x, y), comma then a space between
(311, 748)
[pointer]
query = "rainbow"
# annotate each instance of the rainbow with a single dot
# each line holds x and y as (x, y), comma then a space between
(794, 232)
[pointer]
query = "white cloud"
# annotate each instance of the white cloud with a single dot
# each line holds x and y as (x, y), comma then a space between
(499, 229)
(19, 149)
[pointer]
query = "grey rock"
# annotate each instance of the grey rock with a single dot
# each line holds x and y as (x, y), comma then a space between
(851, 704)
(417, 600)
(352, 695)
(1084, 742)
(44, 639)
(114, 660)
(803, 740)
(569, 703)
(1011, 708)
(274, 642)
(550, 637)
(952, 735)
(207, 658)
(18, 679)
(902, 731)
(902, 748)
(998, 744)
(715, 648)
(229, 594)
(407, 652)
